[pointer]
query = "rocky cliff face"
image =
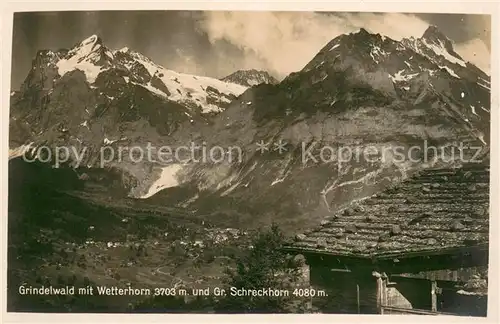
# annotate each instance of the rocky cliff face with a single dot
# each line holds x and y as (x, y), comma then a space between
(250, 78)
(361, 93)
(91, 91)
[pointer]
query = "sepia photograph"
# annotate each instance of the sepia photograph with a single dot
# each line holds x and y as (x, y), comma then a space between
(236, 162)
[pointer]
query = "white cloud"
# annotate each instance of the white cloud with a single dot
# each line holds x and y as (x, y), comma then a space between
(394, 25)
(477, 52)
(283, 42)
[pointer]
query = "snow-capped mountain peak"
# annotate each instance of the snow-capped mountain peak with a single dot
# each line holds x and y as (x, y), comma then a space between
(88, 44)
(402, 70)
(92, 57)
(89, 56)
(97, 93)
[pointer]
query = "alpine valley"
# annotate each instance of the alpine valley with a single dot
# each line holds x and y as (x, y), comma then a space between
(145, 222)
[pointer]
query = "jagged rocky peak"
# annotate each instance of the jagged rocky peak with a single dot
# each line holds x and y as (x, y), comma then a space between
(361, 49)
(43, 70)
(249, 78)
(91, 47)
(361, 38)
(91, 42)
(365, 35)
(89, 56)
(363, 32)
(359, 42)
(436, 46)
(433, 35)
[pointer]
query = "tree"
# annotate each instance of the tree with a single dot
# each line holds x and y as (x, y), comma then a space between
(265, 265)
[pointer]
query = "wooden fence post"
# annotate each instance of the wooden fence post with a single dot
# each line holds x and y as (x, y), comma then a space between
(380, 295)
(434, 295)
(357, 297)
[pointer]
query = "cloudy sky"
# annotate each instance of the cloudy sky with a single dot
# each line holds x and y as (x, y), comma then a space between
(217, 43)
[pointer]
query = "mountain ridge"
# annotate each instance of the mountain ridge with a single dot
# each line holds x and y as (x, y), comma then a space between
(356, 84)
(346, 99)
